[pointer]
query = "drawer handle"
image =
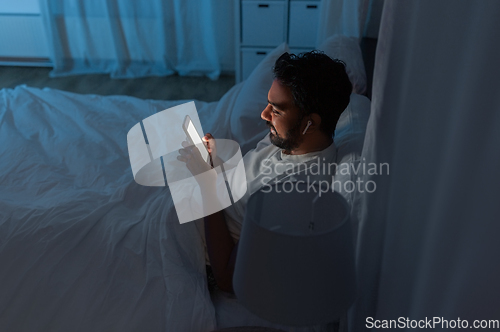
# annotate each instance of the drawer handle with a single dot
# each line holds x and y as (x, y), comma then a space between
(261, 53)
(312, 6)
(263, 5)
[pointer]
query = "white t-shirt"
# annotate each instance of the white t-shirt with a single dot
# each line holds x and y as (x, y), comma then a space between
(267, 164)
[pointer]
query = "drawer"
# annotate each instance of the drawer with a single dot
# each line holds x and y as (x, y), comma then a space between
(263, 23)
(304, 19)
(250, 58)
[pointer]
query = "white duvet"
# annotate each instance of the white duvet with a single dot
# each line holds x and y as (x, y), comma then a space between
(82, 246)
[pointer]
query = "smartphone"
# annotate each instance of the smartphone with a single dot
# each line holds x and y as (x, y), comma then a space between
(195, 138)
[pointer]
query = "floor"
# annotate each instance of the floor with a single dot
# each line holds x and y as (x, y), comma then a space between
(163, 88)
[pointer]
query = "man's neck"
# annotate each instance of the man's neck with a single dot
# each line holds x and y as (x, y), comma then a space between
(312, 145)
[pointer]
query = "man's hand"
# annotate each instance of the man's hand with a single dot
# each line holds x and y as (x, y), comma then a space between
(192, 157)
(221, 248)
(209, 141)
(212, 148)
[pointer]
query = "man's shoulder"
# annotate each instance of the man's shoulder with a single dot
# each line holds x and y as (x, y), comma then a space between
(262, 147)
(263, 150)
(264, 142)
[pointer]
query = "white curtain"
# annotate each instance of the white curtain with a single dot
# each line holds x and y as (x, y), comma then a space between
(129, 38)
(344, 17)
(428, 243)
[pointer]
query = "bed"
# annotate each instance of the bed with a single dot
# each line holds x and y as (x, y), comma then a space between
(85, 248)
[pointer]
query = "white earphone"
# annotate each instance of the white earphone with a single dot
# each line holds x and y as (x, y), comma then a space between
(308, 124)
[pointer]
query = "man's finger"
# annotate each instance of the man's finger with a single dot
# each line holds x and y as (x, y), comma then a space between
(210, 142)
(207, 137)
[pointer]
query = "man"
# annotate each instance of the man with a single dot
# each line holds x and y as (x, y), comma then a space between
(305, 101)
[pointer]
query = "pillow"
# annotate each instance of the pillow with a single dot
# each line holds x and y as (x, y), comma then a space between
(347, 49)
(215, 116)
(349, 139)
(350, 130)
(247, 128)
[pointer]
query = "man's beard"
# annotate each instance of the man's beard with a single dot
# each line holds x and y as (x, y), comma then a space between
(293, 138)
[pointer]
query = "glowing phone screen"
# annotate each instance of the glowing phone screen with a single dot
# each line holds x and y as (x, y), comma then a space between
(196, 140)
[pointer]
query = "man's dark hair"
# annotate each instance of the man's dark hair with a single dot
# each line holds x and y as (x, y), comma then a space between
(318, 84)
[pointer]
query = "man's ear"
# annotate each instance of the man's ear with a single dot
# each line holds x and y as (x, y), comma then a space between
(315, 122)
(312, 124)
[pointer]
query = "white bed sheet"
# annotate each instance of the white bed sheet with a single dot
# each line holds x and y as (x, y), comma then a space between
(82, 246)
